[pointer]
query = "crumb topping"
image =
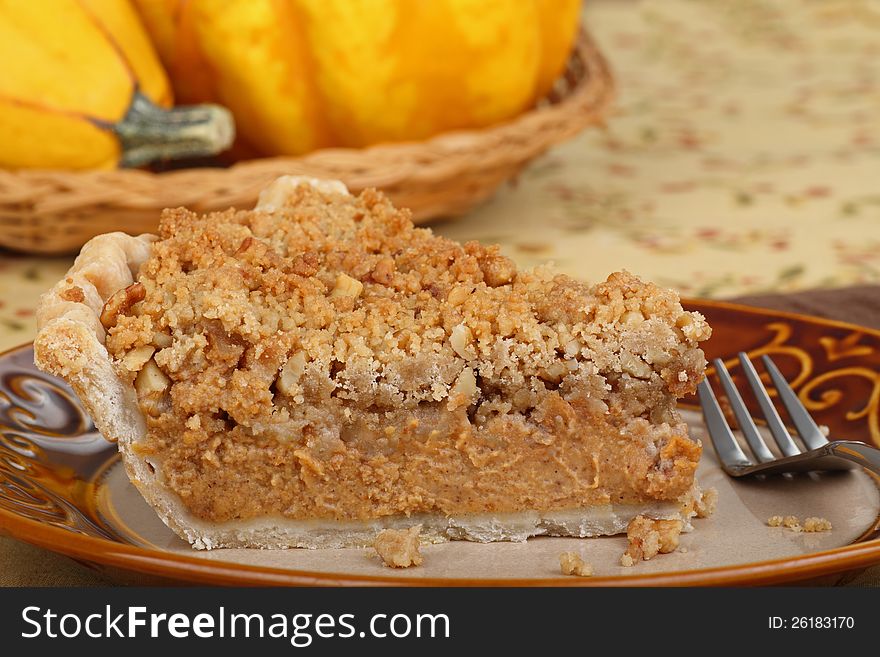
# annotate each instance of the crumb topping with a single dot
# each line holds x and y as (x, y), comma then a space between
(571, 563)
(275, 352)
(399, 548)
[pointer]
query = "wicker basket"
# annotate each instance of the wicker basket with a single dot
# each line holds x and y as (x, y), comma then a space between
(57, 211)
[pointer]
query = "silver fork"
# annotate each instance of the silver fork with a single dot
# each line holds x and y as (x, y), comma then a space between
(820, 453)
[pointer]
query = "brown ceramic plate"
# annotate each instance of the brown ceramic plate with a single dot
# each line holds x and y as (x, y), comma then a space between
(63, 488)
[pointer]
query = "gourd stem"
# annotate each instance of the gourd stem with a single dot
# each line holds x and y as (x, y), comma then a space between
(148, 132)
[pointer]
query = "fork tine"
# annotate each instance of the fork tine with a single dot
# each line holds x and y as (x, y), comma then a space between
(809, 431)
(774, 422)
(729, 452)
(746, 423)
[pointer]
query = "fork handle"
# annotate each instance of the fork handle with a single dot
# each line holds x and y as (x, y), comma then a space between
(859, 453)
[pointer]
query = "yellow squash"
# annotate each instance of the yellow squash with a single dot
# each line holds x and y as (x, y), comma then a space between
(305, 74)
(81, 87)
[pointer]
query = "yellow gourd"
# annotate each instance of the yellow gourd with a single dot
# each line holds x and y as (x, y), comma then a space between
(306, 74)
(81, 87)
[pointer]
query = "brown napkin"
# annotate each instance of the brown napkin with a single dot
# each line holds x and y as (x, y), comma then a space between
(857, 305)
(23, 565)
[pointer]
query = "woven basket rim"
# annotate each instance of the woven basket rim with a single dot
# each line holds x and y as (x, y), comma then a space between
(56, 211)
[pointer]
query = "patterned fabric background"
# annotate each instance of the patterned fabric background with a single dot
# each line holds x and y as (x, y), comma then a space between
(743, 157)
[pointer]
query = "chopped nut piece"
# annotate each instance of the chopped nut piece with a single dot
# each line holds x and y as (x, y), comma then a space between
(291, 373)
(458, 295)
(383, 271)
(346, 286)
(813, 524)
(460, 340)
(554, 372)
(465, 384)
(632, 318)
(571, 563)
(162, 340)
(707, 504)
(573, 347)
(634, 366)
(774, 521)
(684, 321)
(120, 302)
(135, 359)
(399, 548)
(497, 269)
(648, 538)
(151, 379)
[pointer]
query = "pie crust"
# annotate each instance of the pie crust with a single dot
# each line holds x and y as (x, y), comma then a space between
(598, 402)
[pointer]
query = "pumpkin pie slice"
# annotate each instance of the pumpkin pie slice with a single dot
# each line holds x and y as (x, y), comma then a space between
(316, 370)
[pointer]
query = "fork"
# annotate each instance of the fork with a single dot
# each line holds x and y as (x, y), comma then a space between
(820, 454)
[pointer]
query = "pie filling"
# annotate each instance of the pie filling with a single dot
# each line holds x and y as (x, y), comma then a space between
(321, 358)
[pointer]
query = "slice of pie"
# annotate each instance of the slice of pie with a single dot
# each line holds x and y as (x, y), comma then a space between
(315, 370)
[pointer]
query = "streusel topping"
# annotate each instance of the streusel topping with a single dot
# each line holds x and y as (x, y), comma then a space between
(331, 324)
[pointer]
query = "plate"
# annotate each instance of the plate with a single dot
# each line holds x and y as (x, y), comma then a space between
(62, 487)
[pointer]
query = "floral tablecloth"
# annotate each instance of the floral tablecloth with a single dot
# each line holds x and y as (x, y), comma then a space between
(744, 154)
(743, 157)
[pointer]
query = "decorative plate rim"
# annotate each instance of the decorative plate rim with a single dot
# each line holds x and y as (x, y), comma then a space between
(172, 566)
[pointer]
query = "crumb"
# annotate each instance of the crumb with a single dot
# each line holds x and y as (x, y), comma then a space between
(813, 524)
(683, 550)
(648, 538)
(73, 293)
(824, 430)
(707, 504)
(571, 563)
(791, 522)
(399, 548)
(626, 560)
